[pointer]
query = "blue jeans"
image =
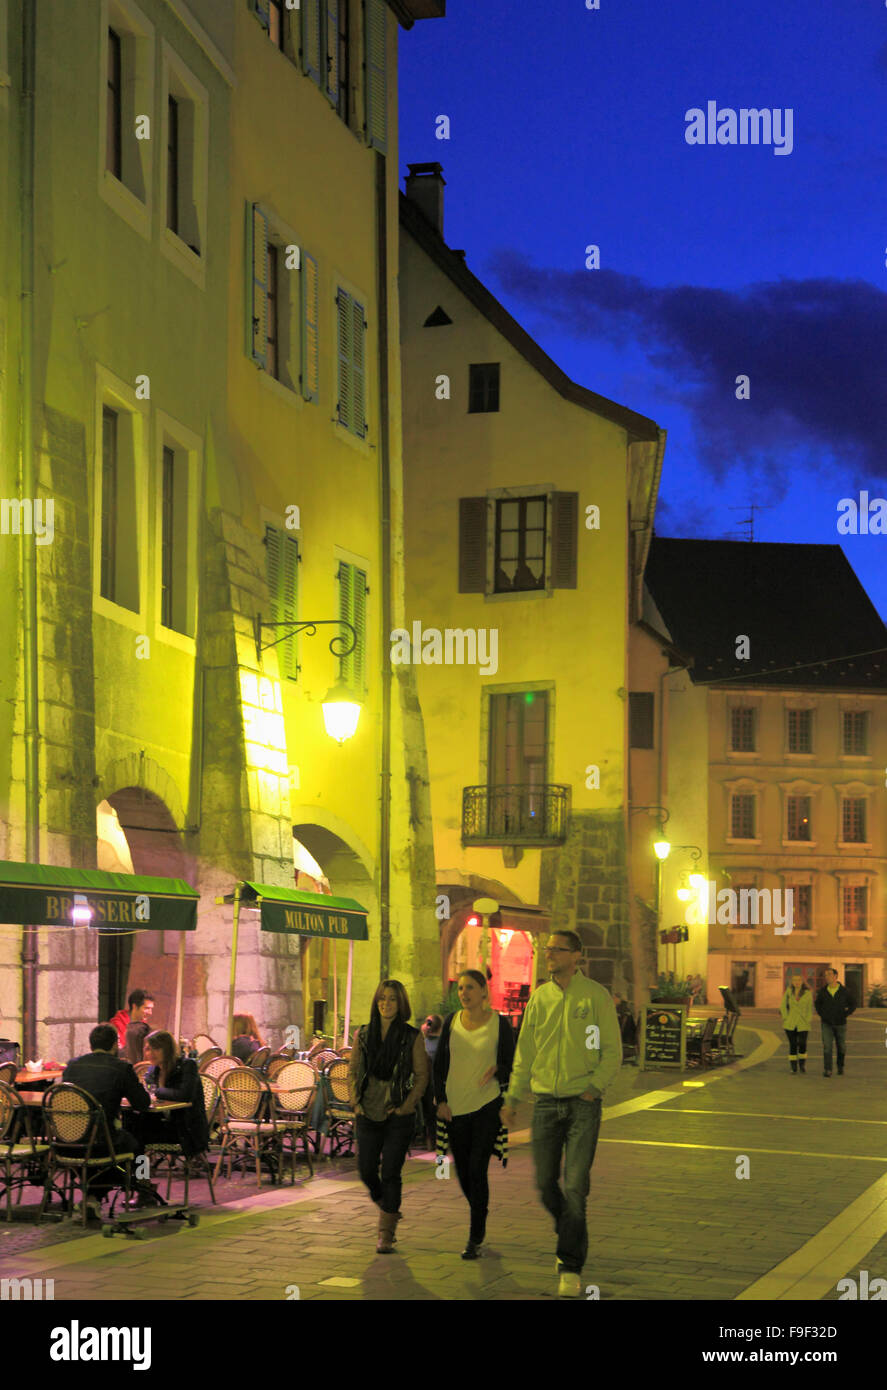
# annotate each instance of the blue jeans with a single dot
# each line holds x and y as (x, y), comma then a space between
(566, 1127)
(836, 1032)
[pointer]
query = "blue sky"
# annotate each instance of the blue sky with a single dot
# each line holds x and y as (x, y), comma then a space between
(716, 260)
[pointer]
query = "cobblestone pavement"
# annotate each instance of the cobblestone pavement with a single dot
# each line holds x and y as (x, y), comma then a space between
(670, 1215)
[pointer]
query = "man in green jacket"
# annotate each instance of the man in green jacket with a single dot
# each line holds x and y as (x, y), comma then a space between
(568, 1052)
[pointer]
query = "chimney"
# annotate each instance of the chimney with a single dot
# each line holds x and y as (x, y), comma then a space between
(424, 187)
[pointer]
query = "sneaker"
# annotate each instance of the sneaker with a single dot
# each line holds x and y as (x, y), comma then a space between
(472, 1250)
(569, 1285)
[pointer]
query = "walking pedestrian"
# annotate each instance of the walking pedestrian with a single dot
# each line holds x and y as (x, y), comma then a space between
(472, 1066)
(796, 1008)
(431, 1033)
(387, 1077)
(834, 1003)
(569, 1051)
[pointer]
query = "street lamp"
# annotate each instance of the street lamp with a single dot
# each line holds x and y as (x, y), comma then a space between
(340, 709)
(340, 712)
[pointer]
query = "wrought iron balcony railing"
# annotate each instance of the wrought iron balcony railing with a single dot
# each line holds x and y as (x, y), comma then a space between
(521, 814)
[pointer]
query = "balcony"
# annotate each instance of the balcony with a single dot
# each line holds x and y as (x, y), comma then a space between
(522, 814)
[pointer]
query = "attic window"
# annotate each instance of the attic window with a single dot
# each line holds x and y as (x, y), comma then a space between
(437, 319)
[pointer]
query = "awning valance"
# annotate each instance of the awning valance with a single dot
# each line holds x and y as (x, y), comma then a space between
(307, 914)
(41, 895)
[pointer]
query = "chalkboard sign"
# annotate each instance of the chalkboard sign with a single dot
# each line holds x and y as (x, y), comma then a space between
(663, 1035)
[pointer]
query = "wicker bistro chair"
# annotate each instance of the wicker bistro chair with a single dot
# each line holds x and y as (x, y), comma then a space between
(217, 1067)
(21, 1158)
(292, 1107)
(168, 1154)
(208, 1056)
(76, 1123)
(276, 1062)
(338, 1118)
(8, 1073)
(245, 1096)
(727, 1037)
(202, 1041)
(322, 1059)
(141, 1069)
(259, 1059)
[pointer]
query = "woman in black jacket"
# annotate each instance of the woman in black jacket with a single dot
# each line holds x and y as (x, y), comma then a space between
(472, 1066)
(175, 1078)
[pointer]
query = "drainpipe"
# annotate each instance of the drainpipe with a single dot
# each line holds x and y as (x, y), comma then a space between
(385, 577)
(27, 475)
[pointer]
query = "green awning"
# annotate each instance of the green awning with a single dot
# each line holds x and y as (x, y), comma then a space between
(307, 914)
(40, 895)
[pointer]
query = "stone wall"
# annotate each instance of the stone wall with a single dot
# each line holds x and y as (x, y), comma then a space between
(584, 884)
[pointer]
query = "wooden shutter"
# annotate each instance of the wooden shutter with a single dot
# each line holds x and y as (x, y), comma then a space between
(358, 369)
(345, 321)
(472, 545)
(282, 570)
(331, 79)
(352, 607)
(291, 305)
(311, 35)
(376, 74)
(564, 539)
(260, 9)
(257, 259)
(310, 310)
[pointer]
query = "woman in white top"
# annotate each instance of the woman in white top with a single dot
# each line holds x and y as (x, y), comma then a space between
(472, 1066)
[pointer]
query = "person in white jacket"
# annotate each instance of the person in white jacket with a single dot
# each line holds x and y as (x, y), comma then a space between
(796, 1009)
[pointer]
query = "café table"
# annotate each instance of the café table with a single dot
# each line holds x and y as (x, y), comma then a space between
(27, 1078)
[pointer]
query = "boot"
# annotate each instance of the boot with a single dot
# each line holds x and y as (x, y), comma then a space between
(794, 1064)
(387, 1239)
(802, 1063)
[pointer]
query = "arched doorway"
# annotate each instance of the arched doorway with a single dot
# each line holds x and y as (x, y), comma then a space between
(344, 868)
(136, 833)
(507, 946)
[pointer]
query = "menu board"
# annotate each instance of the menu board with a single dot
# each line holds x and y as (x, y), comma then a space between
(663, 1035)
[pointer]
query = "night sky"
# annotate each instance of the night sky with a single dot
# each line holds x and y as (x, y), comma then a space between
(716, 259)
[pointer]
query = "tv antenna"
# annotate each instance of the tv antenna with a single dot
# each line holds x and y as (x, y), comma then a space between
(749, 520)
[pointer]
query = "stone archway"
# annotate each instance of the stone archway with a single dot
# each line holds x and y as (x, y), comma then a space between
(135, 824)
(348, 867)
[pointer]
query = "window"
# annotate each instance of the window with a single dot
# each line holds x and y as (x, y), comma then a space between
(351, 407)
(352, 607)
(518, 739)
(172, 166)
(798, 817)
(742, 729)
(114, 150)
(282, 573)
(483, 387)
(344, 61)
(520, 544)
(529, 541)
(175, 598)
(640, 719)
(854, 907)
(742, 816)
(802, 906)
(119, 575)
(282, 300)
(800, 730)
(275, 22)
(855, 730)
(186, 153)
(853, 828)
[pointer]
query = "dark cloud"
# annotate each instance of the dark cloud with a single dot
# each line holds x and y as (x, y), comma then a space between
(815, 352)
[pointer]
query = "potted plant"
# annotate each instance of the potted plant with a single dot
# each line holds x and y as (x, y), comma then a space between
(671, 990)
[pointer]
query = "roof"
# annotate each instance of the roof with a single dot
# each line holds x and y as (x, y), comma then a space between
(807, 617)
(408, 11)
(414, 221)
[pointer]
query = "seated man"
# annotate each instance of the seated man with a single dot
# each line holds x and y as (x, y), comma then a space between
(141, 1007)
(108, 1080)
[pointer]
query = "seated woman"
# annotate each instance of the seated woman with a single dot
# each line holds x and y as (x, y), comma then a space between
(245, 1037)
(175, 1078)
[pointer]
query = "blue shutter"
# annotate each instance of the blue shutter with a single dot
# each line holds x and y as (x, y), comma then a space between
(376, 74)
(312, 30)
(257, 298)
(310, 308)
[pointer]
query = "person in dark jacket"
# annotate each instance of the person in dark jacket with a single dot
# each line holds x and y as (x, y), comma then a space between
(141, 1007)
(174, 1078)
(431, 1033)
(472, 1067)
(834, 1003)
(387, 1077)
(245, 1037)
(108, 1079)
